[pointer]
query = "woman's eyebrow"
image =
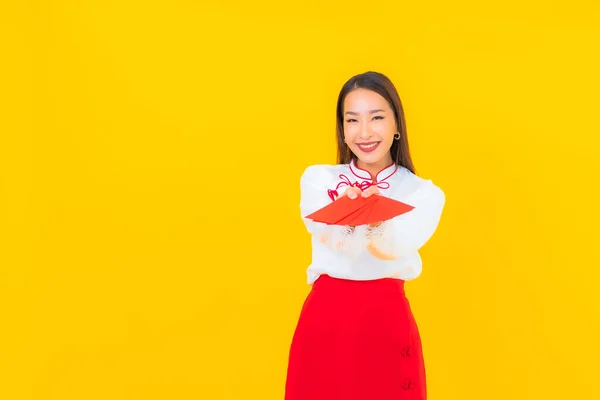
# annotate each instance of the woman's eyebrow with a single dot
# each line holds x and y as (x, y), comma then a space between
(370, 112)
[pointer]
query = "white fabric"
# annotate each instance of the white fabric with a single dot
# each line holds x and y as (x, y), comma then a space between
(344, 252)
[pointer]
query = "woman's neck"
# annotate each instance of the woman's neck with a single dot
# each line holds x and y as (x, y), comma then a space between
(375, 168)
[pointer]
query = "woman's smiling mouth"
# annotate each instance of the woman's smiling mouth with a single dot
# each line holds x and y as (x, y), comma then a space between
(368, 147)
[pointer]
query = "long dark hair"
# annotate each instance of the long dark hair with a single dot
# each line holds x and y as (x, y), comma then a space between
(382, 85)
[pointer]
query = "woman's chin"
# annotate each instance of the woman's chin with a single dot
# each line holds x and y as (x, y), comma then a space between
(373, 158)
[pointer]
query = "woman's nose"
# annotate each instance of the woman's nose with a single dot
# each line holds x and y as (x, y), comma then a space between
(364, 131)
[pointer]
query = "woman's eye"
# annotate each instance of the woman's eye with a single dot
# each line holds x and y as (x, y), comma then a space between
(378, 117)
(350, 120)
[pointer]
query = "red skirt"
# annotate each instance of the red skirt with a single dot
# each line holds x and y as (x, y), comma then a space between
(356, 340)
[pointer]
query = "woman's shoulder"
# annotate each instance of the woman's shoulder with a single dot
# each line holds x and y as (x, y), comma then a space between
(420, 186)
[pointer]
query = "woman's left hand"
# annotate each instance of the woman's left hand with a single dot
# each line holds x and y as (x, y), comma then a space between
(375, 252)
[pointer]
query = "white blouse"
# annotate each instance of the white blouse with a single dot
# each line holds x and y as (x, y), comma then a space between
(389, 250)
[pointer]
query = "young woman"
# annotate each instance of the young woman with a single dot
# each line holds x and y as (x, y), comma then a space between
(356, 337)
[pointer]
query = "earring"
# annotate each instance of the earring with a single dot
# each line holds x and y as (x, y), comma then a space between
(397, 136)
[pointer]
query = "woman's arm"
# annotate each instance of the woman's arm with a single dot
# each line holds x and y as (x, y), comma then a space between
(407, 233)
(313, 196)
(314, 183)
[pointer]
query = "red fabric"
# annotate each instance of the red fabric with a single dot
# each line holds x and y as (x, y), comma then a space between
(356, 340)
(360, 211)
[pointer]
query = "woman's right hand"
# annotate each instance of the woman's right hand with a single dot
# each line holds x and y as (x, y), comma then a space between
(352, 192)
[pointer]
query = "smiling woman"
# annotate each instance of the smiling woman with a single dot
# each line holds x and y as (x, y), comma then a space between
(356, 337)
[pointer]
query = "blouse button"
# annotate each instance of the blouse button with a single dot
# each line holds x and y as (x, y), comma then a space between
(408, 384)
(405, 352)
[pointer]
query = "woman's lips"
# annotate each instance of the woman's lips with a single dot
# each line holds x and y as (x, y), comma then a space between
(368, 147)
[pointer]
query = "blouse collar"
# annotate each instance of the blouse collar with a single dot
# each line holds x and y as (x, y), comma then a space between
(381, 176)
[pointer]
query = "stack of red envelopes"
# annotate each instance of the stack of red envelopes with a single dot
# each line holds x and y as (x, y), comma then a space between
(360, 211)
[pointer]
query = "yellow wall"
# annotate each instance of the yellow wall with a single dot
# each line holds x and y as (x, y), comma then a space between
(138, 263)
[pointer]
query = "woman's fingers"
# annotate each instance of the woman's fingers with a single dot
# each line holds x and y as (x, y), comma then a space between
(351, 192)
(370, 191)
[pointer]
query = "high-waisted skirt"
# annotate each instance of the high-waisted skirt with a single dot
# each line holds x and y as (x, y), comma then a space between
(356, 340)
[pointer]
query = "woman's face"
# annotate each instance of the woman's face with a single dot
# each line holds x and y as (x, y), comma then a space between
(369, 127)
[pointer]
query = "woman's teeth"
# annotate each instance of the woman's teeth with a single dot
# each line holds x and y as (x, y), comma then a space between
(368, 146)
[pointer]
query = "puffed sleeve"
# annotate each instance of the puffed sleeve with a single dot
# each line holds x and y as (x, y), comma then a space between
(313, 196)
(407, 233)
(314, 184)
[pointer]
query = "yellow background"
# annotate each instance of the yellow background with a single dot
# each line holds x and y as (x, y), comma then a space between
(150, 156)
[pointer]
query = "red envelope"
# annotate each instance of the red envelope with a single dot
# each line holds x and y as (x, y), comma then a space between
(354, 216)
(361, 214)
(337, 210)
(387, 208)
(360, 211)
